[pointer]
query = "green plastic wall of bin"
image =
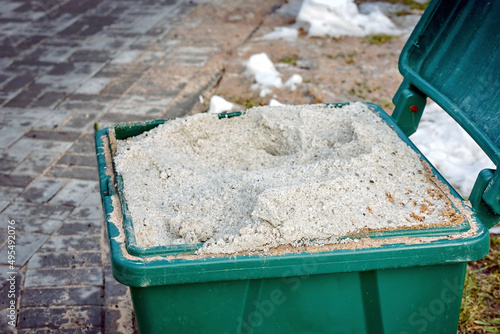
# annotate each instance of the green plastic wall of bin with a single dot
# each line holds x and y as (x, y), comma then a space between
(451, 57)
(403, 300)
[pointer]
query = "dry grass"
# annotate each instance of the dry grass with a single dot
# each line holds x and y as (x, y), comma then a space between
(481, 300)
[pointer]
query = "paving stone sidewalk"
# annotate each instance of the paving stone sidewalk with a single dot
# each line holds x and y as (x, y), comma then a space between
(66, 65)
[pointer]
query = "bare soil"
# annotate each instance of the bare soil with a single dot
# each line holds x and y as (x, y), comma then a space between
(334, 70)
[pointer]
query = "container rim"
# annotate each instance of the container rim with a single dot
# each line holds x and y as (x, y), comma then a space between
(135, 266)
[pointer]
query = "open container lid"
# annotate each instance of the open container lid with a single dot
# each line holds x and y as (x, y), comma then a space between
(453, 57)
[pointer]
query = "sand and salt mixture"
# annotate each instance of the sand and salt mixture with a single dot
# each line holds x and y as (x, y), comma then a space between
(294, 175)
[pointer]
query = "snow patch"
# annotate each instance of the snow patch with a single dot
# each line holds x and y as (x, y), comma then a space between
(286, 33)
(219, 104)
(337, 18)
(266, 76)
(275, 103)
(294, 81)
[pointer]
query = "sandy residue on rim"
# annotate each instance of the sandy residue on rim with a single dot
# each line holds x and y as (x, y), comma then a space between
(293, 175)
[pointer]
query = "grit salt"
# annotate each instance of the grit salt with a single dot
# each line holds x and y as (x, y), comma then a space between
(284, 175)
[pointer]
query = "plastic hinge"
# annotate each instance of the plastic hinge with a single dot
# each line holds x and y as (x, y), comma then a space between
(485, 184)
(410, 104)
(491, 195)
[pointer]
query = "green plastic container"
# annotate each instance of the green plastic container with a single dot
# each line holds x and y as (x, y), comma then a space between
(451, 57)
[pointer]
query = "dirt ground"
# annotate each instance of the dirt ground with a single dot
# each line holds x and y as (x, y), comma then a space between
(334, 70)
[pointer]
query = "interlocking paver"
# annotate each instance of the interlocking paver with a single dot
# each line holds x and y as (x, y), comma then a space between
(74, 172)
(60, 317)
(85, 330)
(41, 145)
(7, 180)
(56, 55)
(27, 116)
(74, 193)
(63, 68)
(33, 224)
(117, 87)
(11, 130)
(53, 135)
(70, 159)
(90, 212)
(24, 209)
(131, 109)
(11, 158)
(35, 163)
(83, 145)
(93, 199)
(61, 277)
(84, 107)
(81, 121)
(93, 86)
(17, 83)
(88, 295)
(53, 120)
(42, 189)
(3, 204)
(66, 83)
(68, 259)
(26, 245)
(26, 96)
(119, 320)
(149, 100)
(83, 227)
(126, 57)
(5, 327)
(48, 99)
(64, 243)
(4, 298)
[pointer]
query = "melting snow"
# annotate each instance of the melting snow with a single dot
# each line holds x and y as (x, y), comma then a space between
(219, 104)
(337, 18)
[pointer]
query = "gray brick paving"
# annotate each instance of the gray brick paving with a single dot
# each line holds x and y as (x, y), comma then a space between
(42, 189)
(60, 277)
(24, 209)
(33, 224)
(4, 204)
(68, 259)
(81, 227)
(64, 66)
(61, 243)
(26, 246)
(78, 330)
(35, 163)
(11, 158)
(14, 180)
(60, 317)
(74, 192)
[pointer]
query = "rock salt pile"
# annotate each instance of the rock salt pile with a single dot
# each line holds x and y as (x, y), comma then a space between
(274, 176)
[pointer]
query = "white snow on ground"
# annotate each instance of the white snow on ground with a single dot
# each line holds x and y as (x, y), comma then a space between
(450, 149)
(275, 103)
(337, 18)
(266, 76)
(286, 33)
(219, 104)
(294, 81)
